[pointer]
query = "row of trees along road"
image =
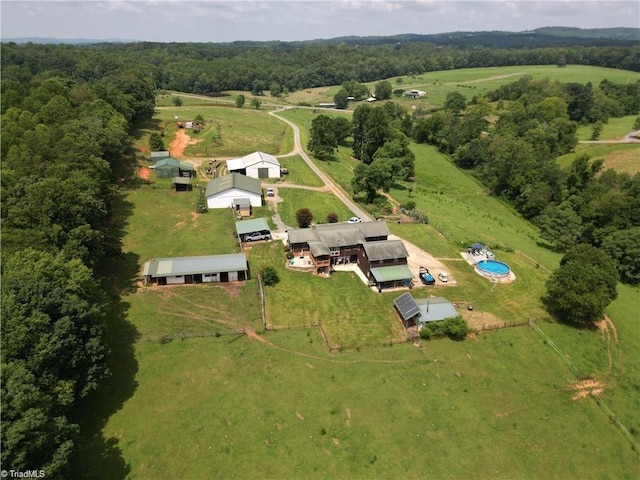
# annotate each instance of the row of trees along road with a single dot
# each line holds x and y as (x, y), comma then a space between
(63, 146)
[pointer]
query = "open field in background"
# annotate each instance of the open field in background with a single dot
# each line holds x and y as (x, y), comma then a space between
(620, 157)
(472, 81)
(320, 203)
(614, 129)
(227, 132)
(299, 172)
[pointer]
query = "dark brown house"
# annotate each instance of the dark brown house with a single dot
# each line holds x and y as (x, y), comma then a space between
(383, 261)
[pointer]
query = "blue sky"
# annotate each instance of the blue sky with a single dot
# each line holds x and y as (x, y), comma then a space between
(226, 21)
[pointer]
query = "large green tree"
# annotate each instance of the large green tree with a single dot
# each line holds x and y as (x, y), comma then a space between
(368, 179)
(322, 139)
(583, 286)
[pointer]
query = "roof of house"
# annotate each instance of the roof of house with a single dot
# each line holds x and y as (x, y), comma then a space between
(339, 234)
(434, 309)
(391, 274)
(169, 267)
(249, 226)
(407, 306)
(259, 157)
(319, 249)
(160, 154)
(172, 162)
(233, 180)
(385, 250)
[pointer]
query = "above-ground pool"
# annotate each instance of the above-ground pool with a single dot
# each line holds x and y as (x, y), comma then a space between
(493, 268)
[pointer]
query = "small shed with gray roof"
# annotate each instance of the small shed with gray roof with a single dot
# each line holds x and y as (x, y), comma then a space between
(420, 311)
(202, 269)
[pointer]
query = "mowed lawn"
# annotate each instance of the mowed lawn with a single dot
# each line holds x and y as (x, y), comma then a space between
(351, 313)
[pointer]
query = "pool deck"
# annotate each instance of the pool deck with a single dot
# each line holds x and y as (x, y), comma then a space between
(473, 259)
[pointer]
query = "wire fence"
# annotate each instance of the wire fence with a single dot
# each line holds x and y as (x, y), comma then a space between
(593, 394)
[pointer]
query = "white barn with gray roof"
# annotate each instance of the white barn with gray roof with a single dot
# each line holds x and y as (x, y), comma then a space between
(221, 192)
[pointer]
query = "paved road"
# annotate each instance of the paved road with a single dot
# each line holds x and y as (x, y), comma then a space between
(335, 189)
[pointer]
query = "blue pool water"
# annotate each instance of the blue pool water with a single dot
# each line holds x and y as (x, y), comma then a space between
(493, 267)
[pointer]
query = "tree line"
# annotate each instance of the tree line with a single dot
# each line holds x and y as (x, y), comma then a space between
(282, 67)
(64, 146)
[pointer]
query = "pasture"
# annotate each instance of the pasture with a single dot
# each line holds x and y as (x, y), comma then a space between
(227, 131)
(190, 397)
(472, 81)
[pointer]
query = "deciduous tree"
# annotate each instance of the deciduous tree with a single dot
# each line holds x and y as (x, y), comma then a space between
(583, 286)
(304, 217)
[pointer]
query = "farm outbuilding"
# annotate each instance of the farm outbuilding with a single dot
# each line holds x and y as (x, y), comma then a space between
(203, 269)
(182, 184)
(223, 192)
(418, 312)
(170, 167)
(245, 228)
(255, 165)
(159, 155)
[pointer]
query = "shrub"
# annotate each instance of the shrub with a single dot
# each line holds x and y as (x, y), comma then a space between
(332, 217)
(410, 205)
(454, 328)
(269, 276)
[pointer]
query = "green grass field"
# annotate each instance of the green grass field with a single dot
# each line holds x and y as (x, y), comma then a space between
(299, 172)
(474, 81)
(320, 203)
(620, 157)
(191, 398)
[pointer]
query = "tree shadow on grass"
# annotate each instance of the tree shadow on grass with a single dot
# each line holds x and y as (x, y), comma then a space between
(97, 456)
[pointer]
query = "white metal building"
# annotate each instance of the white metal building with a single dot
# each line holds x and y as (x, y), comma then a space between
(221, 192)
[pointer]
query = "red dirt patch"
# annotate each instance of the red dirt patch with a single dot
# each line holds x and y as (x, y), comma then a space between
(583, 388)
(144, 173)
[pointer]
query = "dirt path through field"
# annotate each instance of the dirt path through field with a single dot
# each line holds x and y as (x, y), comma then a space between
(488, 79)
(180, 143)
(251, 333)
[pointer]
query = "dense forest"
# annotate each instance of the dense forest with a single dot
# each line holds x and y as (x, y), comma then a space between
(67, 117)
(286, 67)
(63, 147)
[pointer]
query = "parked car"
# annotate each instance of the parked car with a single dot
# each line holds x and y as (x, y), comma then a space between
(270, 192)
(354, 220)
(257, 236)
(426, 277)
(444, 277)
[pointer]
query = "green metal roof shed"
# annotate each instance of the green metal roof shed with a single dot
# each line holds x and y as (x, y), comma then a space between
(254, 225)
